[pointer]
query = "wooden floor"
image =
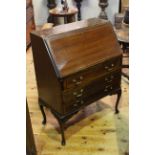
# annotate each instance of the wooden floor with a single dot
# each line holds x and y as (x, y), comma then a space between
(96, 130)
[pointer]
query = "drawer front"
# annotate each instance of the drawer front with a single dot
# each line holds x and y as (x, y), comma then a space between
(92, 73)
(75, 98)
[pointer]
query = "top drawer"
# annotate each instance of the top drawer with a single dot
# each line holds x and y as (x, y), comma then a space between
(92, 73)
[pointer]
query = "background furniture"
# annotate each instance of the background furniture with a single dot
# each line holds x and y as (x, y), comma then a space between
(51, 5)
(78, 4)
(118, 20)
(69, 16)
(29, 21)
(123, 39)
(103, 4)
(123, 5)
(73, 69)
(122, 34)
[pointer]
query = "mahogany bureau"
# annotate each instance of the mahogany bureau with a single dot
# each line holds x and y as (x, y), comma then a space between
(75, 65)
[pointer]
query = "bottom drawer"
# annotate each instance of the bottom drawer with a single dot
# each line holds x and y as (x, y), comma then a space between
(76, 98)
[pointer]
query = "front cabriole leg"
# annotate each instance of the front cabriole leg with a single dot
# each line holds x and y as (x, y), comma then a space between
(61, 123)
(117, 101)
(43, 112)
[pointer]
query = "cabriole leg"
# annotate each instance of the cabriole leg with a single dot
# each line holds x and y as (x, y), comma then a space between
(117, 101)
(63, 141)
(43, 114)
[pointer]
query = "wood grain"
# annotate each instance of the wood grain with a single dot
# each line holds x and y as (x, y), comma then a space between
(30, 145)
(81, 49)
(91, 52)
(96, 130)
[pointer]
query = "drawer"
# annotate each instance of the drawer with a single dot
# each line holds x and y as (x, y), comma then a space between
(92, 73)
(75, 98)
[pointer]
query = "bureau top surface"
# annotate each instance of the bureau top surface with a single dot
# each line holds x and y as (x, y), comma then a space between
(79, 45)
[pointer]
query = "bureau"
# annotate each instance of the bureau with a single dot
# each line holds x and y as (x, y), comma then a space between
(75, 65)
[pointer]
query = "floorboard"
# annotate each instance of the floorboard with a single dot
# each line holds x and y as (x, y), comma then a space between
(95, 130)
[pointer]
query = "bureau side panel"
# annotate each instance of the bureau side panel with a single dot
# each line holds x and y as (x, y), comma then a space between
(49, 88)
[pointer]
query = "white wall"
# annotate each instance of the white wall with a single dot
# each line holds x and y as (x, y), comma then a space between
(89, 9)
(40, 11)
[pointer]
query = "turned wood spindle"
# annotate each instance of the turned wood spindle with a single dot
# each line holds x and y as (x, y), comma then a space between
(51, 5)
(103, 4)
(78, 4)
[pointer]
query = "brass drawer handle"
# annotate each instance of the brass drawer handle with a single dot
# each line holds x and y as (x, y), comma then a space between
(109, 68)
(75, 105)
(80, 101)
(106, 67)
(81, 77)
(108, 87)
(78, 95)
(108, 80)
(76, 81)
